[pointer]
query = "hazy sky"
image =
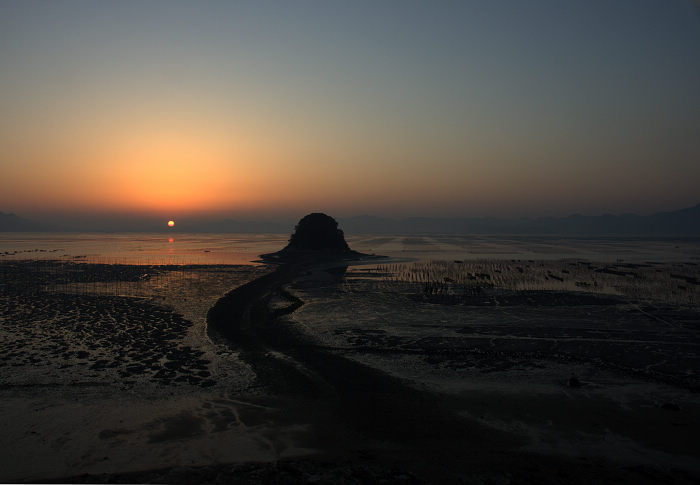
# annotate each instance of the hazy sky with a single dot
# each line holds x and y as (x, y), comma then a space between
(486, 107)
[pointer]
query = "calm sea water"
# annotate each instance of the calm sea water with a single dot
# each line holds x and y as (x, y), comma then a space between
(178, 248)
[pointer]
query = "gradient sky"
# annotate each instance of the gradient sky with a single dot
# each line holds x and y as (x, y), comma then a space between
(471, 108)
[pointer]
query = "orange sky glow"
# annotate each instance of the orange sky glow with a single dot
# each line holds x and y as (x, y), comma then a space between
(167, 109)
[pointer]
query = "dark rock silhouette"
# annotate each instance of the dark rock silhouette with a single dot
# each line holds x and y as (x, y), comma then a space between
(317, 231)
(316, 237)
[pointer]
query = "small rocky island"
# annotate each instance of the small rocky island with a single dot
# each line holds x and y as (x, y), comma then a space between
(316, 238)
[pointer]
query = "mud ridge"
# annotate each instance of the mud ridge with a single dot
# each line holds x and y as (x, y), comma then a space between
(367, 400)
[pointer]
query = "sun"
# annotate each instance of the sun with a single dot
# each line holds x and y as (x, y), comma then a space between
(171, 223)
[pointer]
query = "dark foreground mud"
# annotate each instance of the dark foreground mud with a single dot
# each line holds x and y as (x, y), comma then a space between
(512, 469)
(363, 411)
(319, 378)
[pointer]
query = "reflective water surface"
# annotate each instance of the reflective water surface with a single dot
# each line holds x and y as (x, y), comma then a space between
(182, 248)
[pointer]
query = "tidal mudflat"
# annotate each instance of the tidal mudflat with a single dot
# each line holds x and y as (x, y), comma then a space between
(471, 372)
(510, 371)
(107, 368)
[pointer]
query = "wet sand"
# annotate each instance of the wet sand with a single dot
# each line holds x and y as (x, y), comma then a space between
(308, 377)
(94, 382)
(538, 387)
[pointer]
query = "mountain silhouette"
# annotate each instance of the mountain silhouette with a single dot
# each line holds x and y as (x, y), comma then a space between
(684, 222)
(14, 223)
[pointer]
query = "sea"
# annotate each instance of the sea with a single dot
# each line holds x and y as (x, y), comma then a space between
(185, 248)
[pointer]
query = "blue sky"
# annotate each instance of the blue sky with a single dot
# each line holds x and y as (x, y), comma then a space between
(394, 108)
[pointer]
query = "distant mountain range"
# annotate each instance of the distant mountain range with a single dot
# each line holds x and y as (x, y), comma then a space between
(13, 223)
(684, 222)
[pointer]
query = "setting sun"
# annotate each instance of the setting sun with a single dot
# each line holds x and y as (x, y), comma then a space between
(171, 223)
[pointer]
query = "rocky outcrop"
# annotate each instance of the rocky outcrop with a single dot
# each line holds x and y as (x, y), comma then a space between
(315, 232)
(315, 237)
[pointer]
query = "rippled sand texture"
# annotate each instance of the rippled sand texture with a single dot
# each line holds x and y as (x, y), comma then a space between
(577, 374)
(423, 372)
(93, 382)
